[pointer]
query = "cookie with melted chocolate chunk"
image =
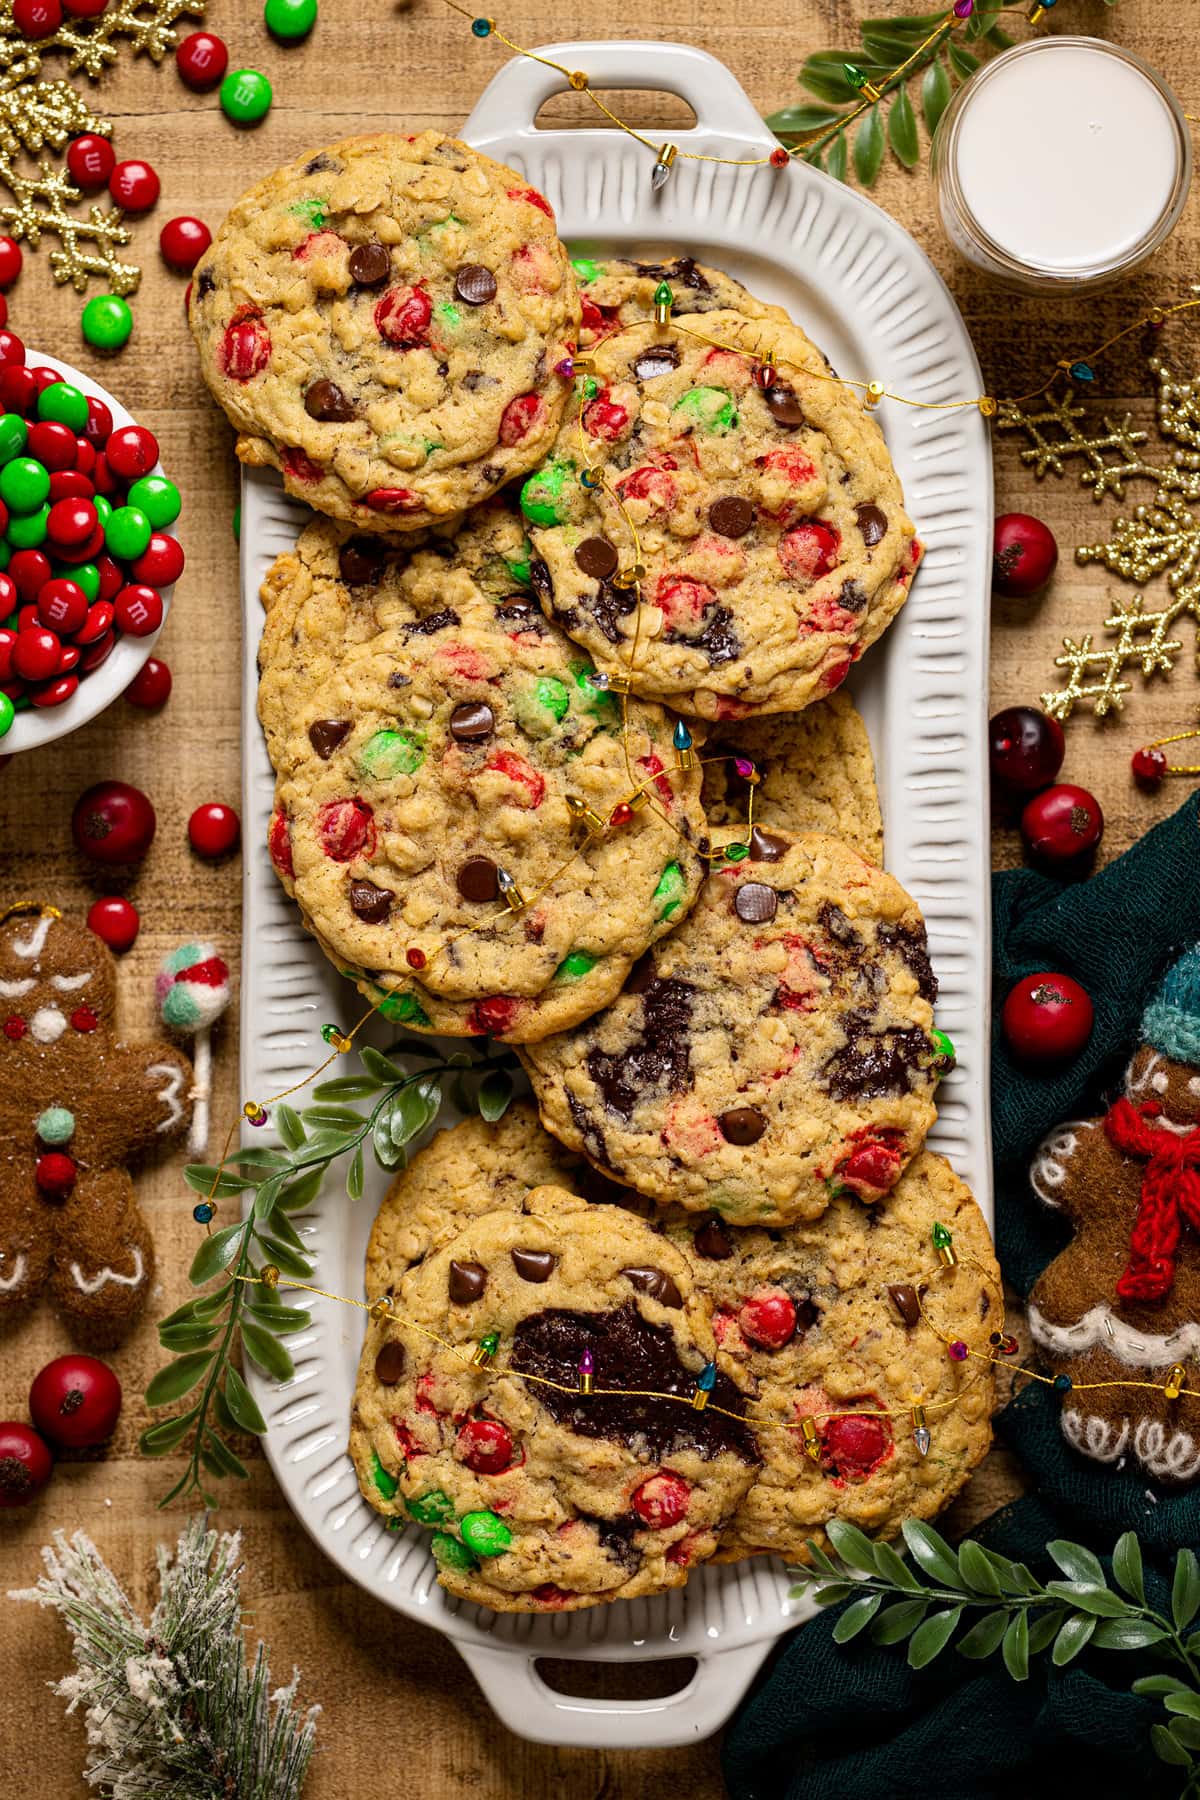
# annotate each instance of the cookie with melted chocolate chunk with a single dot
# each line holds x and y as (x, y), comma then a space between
(541, 1499)
(775, 1049)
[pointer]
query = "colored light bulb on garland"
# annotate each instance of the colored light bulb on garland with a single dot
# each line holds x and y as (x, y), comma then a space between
(516, 900)
(335, 1037)
(874, 394)
(1149, 765)
(1173, 1386)
(203, 1212)
(254, 1113)
(943, 1243)
(963, 8)
(766, 373)
(583, 814)
(1082, 371)
(811, 1438)
(620, 815)
(1063, 1384)
(587, 1372)
(685, 754)
(958, 1351)
(921, 1437)
(736, 853)
(706, 1381)
(565, 368)
(747, 770)
(415, 958)
(485, 1349)
(483, 27)
(860, 81)
(779, 157)
(663, 165)
(591, 478)
(269, 1275)
(664, 300)
(381, 1308)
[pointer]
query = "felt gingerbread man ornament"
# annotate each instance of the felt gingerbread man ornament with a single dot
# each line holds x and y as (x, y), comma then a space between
(1122, 1302)
(76, 1106)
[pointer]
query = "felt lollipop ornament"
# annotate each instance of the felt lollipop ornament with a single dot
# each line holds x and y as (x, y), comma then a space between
(192, 989)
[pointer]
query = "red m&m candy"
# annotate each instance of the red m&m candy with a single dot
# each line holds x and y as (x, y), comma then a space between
(37, 18)
(56, 691)
(183, 242)
(10, 261)
(71, 523)
(62, 606)
(768, 1318)
(486, 1446)
(151, 686)
(662, 1501)
(134, 185)
(12, 350)
(115, 922)
(35, 654)
(214, 830)
(99, 423)
(161, 562)
(131, 451)
(52, 444)
(91, 160)
(139, 610)
(30, 570)
(202, 60)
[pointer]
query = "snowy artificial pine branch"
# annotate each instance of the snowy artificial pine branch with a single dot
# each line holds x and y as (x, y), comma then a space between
(174, 1710)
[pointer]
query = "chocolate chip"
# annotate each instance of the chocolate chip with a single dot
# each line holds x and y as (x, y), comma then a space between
(782, 404)
(478, 879)
(369, 903)
(597, 558)
(540, 581)
(467, 1282)
(325, 400)
(853, 596)
(389, 1364)
(742, 1124)
(397, 679)
(472, 721)
(521, 614)
(475, 285)
(764, 847)
(713, 1240)
(206, 281)
(534, 1265)
(838, 926)
(659, 1061)
(474, 379)
(438, 621)
(904, 1299)
(755, 903)
(321, 164)
(360, 562)
(326, 734)
(731, 516)
(872, 522)
(655, 1283)
(370, 264)
(657, 359)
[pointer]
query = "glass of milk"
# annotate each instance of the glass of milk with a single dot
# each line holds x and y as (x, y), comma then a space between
(1061, 165)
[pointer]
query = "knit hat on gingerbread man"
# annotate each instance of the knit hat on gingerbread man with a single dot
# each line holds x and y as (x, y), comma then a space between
(76, 1107)
(1122, 1301)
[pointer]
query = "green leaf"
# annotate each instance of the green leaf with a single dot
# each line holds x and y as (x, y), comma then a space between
(983, 1639)
(300, 1192)
(814, 156)
(1168, 1749)
(1154, 1686)
(1186, 1703)
(1015, 1648)
(195, 1335)
(868, 147)
(385, 1071)
(932, 1551)
(935, 94)
(902, 130)
(156, 1440)
(821, 1563)
(411, 1113)
(913, 25)
(355, 1175)
(286, 1233)
(893, 1568)
(1076, 1563)
(177, 1379)
(209, 1306)
(339, 1117)
(214, 1183)
(285, 1259)
(280, 1319)
(388, 1153)
(266, 1198)
(887, 46)
(796, 121)
(1074, 1636)
(975, 1568)
(1127, 1566)
(832, 1596)
(835, 157)
(962, 61)
(216, 1252)
(931, 1638)
(183, 1315)
(1187, 1732)
(289, 1125)
(1128, 1634)
(267, 1352)
(346, 1087)
(222, 1456)
(495, 1092)
(1089, 1599)
(241, 1404)
(1044, 1630)
(856, 1618)
(853, 1546)
(1185, 1589)
(827, 82)
(899, 1621)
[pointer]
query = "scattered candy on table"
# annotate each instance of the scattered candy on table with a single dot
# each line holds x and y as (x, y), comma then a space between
(1047, 1018)
(91, 160)
(151, 686)
(75, 1401)
(106, 322)
(1062, 826)
(193, 989)
(115, 922)
(246, 96)
(134, 185)
(1024, 556)
(202, 60)
(214, 830)
(290, 20)
(113, 822)
(183, 242)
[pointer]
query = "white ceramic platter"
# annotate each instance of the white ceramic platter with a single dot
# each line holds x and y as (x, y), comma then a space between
(870, 298)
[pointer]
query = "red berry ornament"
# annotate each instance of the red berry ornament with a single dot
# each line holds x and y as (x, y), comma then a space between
(1062, 825)
(25, 1462)
(768, 1318)
(1149, 765)
(90, 160)
(1025, 749)
(1024, 555)
(115, 922)
(151, 686)
(202, 60)
(37, 18)
(183, 242)
(10, 262)
(1046, 1019)
(214, 830)
(662, 1501)
(75, 1401)
(113, 822)
(486, 1446)
(134, 185)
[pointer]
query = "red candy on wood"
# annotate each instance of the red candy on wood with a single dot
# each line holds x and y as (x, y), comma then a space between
(26, 1464)
(1047, 1018)
(134, 185)
(1025, 749)
(1024, 555)
(113, 822)
(183, 242)
(202, 60)
(151, 686)
(75, 1401)
(1062, 825)
(91, 160)
(115, 922)
(214, 830)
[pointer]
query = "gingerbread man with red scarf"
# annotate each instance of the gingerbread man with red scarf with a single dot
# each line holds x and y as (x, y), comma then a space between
(1122, 1302)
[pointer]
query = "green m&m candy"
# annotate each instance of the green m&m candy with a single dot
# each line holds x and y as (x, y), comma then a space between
(27, 530)
(84, 575)
(448, 1553)
(14, 434)
(8, 713)
(712, 409)
(103, 506)
(24, 485)
(541, 496)
(245, 96)
(158, 498)
(485, 1533)
(106, 322)
(402, 1009)
(669, 892)
(585, 269)
(594, 695)
(290, 20)
(127, 533)
(575, 964)
(384, 1482)
(539, 708)
(391, 753)
(64, 404)
(433, 1508)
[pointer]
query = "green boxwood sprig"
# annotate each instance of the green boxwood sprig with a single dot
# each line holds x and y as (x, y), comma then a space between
(381, 1108)
(991, 1604)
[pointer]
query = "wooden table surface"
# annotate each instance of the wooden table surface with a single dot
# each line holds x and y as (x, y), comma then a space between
(400, 1710)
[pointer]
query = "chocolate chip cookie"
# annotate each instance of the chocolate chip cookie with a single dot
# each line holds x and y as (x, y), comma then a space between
(539, 1496)
(618, 291)
(381, 320)
(776, 1049)
(816, 774)
(431, 735)
(822, 1321)
(720, 457)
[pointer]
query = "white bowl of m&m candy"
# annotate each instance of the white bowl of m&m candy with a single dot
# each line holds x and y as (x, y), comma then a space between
(88, 551)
